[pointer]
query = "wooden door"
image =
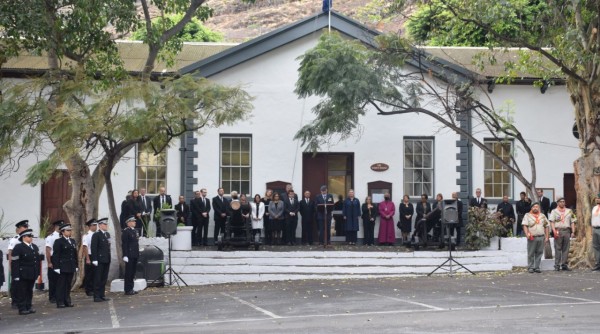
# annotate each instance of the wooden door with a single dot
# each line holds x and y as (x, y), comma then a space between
(314, 172)
(569, 189)
(55, 193)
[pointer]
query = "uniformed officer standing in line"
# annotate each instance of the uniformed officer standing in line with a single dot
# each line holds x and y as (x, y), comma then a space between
(25, 268)
(65, 264)
(88, 280)
(52, 276)
(100, 257)
(1, 271)
(20, 227)
(131, 253)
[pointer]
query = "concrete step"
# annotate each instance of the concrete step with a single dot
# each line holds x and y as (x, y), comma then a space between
(213, 267)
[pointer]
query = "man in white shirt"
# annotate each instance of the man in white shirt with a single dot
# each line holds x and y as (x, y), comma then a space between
(52, 276)
(88, 280)
(596, 232)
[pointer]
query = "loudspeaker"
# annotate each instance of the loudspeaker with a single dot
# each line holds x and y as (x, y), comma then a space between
(168, 222)
(450, 212)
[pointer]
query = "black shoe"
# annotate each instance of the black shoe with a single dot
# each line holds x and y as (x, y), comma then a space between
(60, 306)
(89, 294)
(24, 312)
(105, 299)
(52, 301)
(97, 300)
(596, 268)
(566, 268)
(14, 306)
(530, 271)
(31, 310)
(537, 271)
(556, 268)
(70, 305)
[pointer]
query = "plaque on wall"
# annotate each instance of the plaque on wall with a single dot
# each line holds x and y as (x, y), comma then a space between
(379, 167)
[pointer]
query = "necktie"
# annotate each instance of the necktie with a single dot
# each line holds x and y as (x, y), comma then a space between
(307, 201)
(204, 201)
(144, 201)
(162, 201)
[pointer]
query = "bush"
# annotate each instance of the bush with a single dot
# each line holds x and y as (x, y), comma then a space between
(483, 226)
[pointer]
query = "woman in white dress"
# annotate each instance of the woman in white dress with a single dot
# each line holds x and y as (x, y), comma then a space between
(258, 211)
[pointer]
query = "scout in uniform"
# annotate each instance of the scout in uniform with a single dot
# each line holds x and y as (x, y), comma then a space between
(65, 264)
(535, 226)
(52, 276)
(562, 222)
(100, 247)
(25, 268)
(20, 227)
(131, 252)
(88, 280)
(596, 233)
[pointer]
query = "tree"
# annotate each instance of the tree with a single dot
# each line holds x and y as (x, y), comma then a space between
(434, 24)
(566, 36)
(86, 111)
(354, 80)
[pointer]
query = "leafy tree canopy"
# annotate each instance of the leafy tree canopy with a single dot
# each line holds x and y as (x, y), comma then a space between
(434, 24)
(193, 31)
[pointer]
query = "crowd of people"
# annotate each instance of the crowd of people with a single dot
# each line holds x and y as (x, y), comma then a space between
(61, 254)
(273, 217)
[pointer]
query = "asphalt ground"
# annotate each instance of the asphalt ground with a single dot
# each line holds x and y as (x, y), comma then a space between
(513, 302)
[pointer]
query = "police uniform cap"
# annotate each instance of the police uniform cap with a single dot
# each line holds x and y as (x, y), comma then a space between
(27, 232)
(58, 222)
(103, 221)
(323, 187)
(65, 227)
(92, 221)
(130, 218)
(22, 223)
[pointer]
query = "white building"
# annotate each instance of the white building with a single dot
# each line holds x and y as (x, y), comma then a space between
(261, 153)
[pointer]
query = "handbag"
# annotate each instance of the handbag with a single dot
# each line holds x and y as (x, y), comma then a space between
(547, 250)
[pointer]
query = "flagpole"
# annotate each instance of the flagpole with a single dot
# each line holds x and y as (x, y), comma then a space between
(329, 16)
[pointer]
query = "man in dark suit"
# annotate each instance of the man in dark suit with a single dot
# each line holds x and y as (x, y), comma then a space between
(25, 269)
(544, 202)
(308, 212)
(159, 201)
(124, 209)
(65, 264)
(100, 259)
(183, 211)
(459, 225)
(200, 213)
(507, 211)
(290, 211)
(219, 205)
(131, 253)
(195, 218)
(324, 201)
(145, 201)
(478, 201)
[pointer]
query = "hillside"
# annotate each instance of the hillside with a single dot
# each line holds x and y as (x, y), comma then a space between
(240, 22)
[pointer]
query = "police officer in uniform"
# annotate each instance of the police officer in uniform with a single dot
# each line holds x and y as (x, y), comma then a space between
(100, 257)
(19, 227)
(596, 233)
(88, 280)
(1, 271)
(65, 264)
(25, 268)
(52, 276)
(131, 253)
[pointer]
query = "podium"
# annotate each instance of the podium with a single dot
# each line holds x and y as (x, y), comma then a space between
(326, 208)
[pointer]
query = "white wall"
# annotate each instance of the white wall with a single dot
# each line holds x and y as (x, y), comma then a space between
(546, 122)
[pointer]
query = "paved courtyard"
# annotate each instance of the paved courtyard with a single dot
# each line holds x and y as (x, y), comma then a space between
(514, 302)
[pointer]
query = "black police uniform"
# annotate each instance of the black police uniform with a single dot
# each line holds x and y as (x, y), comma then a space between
(25, 269)
(101, 254)
(64, 258)
(131, 250)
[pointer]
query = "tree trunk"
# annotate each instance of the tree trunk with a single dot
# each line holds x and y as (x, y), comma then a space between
(586, 100)
(80, 207)
(113, 214)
